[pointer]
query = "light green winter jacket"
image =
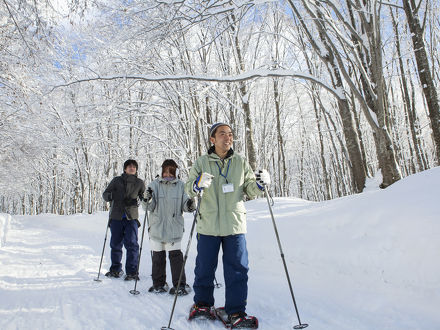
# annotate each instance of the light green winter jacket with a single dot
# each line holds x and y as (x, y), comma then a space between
(223, 214)
(166, 207)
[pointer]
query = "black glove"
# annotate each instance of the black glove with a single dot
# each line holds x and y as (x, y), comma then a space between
(139, 224)
(190, 205)
(148, 194)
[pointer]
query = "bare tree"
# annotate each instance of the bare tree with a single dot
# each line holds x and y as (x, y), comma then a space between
(412, 11)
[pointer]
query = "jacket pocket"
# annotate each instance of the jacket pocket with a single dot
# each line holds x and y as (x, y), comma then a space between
(238, 208)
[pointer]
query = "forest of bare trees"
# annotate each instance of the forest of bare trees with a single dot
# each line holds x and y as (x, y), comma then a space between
(324, 94)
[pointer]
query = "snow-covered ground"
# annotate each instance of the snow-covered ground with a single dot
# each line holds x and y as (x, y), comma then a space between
(369, 261)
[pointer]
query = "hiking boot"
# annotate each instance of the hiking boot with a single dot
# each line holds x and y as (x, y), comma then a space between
(202, 311)
(159, 288)
(115, 274)
(183, 290)
(131, 277)
(242, 320)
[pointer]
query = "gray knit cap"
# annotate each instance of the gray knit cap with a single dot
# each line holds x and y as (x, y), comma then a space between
(215, 126)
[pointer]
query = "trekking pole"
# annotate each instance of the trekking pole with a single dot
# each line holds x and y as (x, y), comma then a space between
(102, 254)
(148, 225)
(300, 325)
(134, 291)
(184, 261)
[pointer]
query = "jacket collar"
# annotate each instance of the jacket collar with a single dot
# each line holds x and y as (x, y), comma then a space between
(211, 152)
(128, 177)
(160, 179)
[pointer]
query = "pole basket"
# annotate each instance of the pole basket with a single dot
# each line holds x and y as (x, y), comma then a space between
(97, 280)
(134, 292)
(166, 328)
(301, 326)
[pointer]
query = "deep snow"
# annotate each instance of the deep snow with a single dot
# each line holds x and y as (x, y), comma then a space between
(367, 261)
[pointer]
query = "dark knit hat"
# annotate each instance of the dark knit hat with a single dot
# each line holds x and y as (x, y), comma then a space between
(214, 127)
(130, 162)
(171, 164)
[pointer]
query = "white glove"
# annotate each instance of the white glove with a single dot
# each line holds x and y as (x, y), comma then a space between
(203, 181)
(263, 178)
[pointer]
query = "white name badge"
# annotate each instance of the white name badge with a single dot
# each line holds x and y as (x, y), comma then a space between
(228, 187)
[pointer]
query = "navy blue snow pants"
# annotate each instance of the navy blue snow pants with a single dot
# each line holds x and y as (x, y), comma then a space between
(124, 232)
(235, 270)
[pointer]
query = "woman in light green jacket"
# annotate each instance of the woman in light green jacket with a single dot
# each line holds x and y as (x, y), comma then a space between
(225, 179)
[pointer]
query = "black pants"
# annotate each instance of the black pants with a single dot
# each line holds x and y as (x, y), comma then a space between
(159, 267)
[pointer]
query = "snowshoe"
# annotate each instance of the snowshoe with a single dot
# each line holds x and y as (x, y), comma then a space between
(131, 277)
(238, 320)
(114, 274)
(183, 290)
(202, 312)
(159, 288)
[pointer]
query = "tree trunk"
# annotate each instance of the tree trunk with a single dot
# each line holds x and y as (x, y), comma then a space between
(327, 194)
(407, 101)
(249, 129)
(374, 87)
(283, 169)
(423, 68)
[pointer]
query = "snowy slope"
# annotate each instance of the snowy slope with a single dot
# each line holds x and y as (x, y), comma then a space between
(360, 262)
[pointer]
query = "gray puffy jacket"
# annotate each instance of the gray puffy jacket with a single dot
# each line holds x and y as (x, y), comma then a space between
(166, 209)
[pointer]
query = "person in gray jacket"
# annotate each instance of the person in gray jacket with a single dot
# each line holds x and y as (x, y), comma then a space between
(166, 200)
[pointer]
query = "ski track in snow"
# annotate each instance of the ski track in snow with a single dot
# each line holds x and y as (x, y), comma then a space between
(359, 262)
